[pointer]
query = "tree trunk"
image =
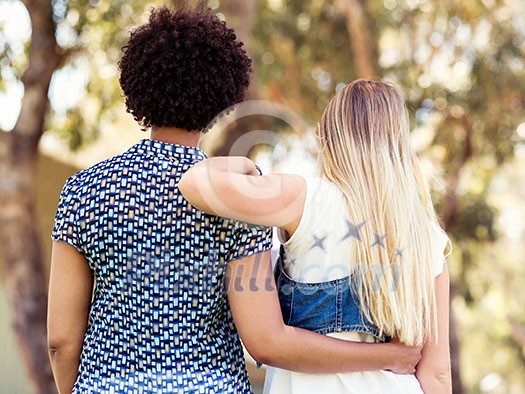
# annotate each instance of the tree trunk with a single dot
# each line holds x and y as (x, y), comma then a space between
(26, 279)
(457, 382)
(241, 16)
(363, 46)
(447, 214)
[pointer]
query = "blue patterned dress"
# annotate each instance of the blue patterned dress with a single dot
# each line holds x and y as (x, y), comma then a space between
(159, 320)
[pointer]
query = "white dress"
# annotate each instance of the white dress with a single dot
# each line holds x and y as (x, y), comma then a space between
(315, 253)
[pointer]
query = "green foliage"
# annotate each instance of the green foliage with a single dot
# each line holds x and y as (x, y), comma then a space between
(93, 33)
(463, 72)
(462, 67)
(302, 51)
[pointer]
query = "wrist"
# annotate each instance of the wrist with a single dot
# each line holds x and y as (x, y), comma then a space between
(391, 354)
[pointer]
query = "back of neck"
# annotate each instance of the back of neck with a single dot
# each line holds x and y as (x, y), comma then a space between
(174, 135)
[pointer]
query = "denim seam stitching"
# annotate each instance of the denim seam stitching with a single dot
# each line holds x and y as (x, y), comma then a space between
(291, 305)
(349, 328)
(338, 307)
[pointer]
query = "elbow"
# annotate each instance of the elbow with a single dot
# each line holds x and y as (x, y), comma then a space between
(265, 357)
(444, 378)
(55, 344)
(438, 380)
(258, 352)
(265, 351)
(54, 353)
(259, 357)
(61, 344)
(185, 183)
(188, 185)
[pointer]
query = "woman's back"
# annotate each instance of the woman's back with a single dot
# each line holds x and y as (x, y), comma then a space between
(320, 247)
(319, 253)
(159, 319)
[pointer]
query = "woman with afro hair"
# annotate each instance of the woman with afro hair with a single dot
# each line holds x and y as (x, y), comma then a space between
(144, 288)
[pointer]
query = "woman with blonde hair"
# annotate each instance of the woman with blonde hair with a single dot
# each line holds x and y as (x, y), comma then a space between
(362, 254)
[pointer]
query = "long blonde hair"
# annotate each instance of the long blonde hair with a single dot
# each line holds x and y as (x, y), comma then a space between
(365, 150)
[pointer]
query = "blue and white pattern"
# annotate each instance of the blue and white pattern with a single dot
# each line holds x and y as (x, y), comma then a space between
(159, 319)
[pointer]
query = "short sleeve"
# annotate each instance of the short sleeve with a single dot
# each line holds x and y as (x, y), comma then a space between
(440, 240)
(65, 228)
(249, 240)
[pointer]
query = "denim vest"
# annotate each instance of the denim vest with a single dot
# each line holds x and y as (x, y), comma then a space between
(325, 307)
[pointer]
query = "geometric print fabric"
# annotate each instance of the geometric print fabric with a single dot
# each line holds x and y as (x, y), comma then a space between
(159, 320)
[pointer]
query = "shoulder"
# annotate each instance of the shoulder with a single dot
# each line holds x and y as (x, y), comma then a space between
(321, 190)
(439, 237)
(291, 182)
(93, 174)
(319, 199)
(317, 193)
(439, 241)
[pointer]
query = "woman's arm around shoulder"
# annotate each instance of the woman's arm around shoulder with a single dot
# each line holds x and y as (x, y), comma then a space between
(433, 371)
(232, 187)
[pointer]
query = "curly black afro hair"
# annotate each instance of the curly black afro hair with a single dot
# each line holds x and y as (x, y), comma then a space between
(183, 68)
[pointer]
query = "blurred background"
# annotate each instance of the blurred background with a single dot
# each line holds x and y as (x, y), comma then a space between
(461, 65)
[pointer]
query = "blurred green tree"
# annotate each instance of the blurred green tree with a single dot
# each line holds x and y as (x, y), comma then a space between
(25, 276)
(64, 34)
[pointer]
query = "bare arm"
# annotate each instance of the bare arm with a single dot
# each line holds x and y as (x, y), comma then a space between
(70, 289)
(255, 308)
(433, 372)
(231, 187)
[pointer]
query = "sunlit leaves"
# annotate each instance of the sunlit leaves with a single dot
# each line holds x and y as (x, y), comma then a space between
(93, 34)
